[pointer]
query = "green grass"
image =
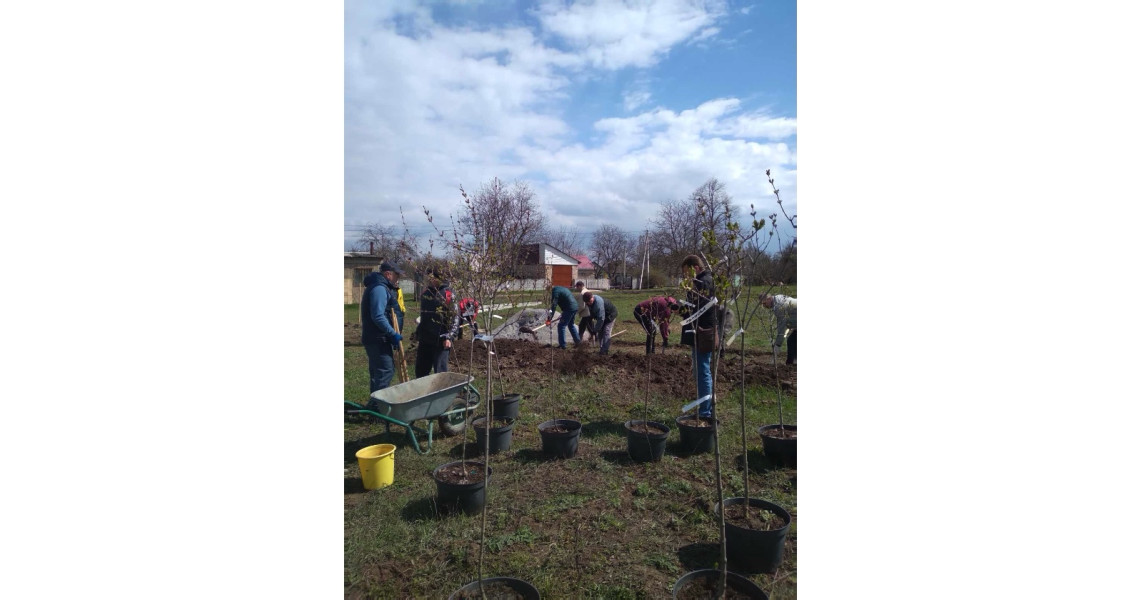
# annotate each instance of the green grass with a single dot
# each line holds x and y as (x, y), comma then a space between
(595, 525)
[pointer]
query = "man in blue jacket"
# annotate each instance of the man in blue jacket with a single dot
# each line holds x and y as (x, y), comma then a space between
(378, 335)
(562, 298)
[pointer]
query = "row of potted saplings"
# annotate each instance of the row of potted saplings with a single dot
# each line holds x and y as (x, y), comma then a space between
(755, 538)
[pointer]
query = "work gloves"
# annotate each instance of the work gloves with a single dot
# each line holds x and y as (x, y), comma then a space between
(397, 338)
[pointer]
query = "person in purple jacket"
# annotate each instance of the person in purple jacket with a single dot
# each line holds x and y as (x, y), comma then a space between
(655, 313)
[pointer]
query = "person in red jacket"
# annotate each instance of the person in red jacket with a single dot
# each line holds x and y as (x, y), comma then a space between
(468, 311)
(655, 313)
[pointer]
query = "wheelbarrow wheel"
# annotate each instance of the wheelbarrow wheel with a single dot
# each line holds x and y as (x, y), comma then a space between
(456, 423)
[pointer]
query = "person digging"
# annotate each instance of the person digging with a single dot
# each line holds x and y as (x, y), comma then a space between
(603, 313)
(655, 313)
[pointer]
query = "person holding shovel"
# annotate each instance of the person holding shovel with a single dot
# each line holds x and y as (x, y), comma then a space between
(784, 309)
(561, 298)
(655, 313)
(584, 321)
(603, 313)
(469, 313)
(378, 336)
(439, 323)
(700, 297)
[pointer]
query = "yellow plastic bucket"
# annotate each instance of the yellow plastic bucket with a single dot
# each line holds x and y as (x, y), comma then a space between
(377, 465)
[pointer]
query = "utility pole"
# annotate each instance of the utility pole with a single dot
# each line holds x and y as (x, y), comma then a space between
(641, 280)
(646, 252)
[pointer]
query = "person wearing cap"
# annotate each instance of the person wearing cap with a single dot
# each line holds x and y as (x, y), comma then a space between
(603, 313)
(378, 335)
(654, 314)
(439, 324)
(784, 309)
(561, 298)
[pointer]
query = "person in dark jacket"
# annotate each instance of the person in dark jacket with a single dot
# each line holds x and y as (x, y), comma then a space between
(700, 295)
(603, 313)
(439, 323)
(655, 313)
(561, 298)
(378, 335)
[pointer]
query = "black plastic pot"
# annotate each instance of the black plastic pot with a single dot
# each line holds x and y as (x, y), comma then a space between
(562, 445)
(500, 436)
(526, 590)
(468, 497)
(694, 440)
(780, 451)
(506, 406)
(735, 581)
(646, 447)
(754, 550)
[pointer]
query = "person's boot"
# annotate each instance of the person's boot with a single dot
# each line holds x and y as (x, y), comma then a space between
(649, 349)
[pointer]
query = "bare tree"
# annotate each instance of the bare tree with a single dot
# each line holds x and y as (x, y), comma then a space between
(677, 229)
(377, 239)
(713, 211)
(385, 242)
(611, 246)
(502, 216)
(566, 239)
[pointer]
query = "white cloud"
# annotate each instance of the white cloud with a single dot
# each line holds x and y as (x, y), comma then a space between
(613, 34)
(428, 108)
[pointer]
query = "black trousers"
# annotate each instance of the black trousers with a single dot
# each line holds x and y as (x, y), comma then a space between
(431, 356)
(650, 330)
(791, 360)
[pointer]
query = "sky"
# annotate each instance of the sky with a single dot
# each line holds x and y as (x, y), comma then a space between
(605, 108)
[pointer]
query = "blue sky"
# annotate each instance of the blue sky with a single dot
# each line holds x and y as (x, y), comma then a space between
(606, 108)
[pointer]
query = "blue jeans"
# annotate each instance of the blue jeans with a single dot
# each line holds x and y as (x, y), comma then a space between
(702, 366)
(567, 320)
(606, 335)
(381, 366)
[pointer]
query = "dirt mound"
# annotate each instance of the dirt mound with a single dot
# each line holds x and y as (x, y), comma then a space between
(670, 372)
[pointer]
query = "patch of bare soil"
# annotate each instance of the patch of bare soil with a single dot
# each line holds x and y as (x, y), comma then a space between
(694, 421)
(646, 429)
(758, 519)
(671, 372)
(494, 591)
(461, 474)
(495, 423)
(352, 333)
(780, 432)
(702, 588)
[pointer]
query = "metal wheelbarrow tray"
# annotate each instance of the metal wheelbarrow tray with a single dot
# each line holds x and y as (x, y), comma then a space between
(438, 396)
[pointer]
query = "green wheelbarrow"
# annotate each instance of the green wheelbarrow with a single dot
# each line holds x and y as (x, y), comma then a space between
(445, 397)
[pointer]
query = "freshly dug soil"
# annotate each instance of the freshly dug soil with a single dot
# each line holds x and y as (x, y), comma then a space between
(643, 429)
(785, 434)
(758, 518)
(693, 421)
(702, 588)
(455, 474)
(495, 591)
(669, 373)
(495, 423)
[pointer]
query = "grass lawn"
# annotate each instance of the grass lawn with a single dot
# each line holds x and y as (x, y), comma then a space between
(596, 525)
